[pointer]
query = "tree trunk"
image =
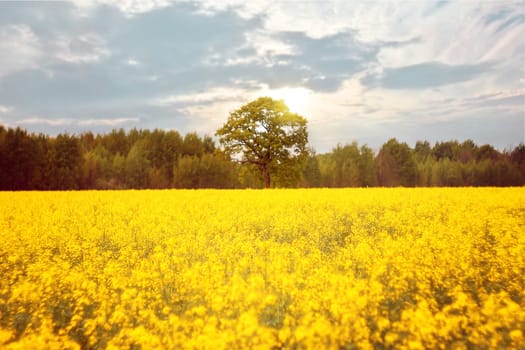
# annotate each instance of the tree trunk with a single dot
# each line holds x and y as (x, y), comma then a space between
(266, 176)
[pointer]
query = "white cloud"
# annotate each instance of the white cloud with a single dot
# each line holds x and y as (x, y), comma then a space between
(86, 48)
(72, 122)
(206, 111)
(5, 109)
(128, 7)
(211, 95)
(132, 62)
(20, 49)
(316, 18)
(456, 34)
(46, 121)
(267, 47)
(107, 122)
(483, 34)
(207, 118)
(245, 9)
(377, 20)
(241, 60)
(453, 33)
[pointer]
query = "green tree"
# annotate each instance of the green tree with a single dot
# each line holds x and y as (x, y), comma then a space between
(17, 158)
(118, 171)
(192, 145)
(157, 178)
(424, 172)
(366, 167)
(288, 172)
(517, 157)
(422, 151)
(266, 134)
(467, 151)
(487, 152)
(66, 163)
(448, 149)
(96, 168)
(311, 172)
(346, 165)
(41, 149)
(207, 171)
(137, 166)
(116, 142)
(395, 164)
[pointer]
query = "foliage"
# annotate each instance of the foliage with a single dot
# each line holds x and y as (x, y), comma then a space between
(208, 171)
(298, 269)
(311, 172)
(266, 134)
(396, 165)
(134, 159)
(348, 166)
(154, 159)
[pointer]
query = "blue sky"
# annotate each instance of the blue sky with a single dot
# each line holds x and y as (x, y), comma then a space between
(364, 70)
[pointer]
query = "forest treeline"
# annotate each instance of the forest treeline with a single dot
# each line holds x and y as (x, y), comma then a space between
(166, 159)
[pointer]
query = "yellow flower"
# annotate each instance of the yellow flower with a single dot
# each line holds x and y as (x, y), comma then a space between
(324, 268)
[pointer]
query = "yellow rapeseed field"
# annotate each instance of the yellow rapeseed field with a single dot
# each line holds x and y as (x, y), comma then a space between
(292, 269)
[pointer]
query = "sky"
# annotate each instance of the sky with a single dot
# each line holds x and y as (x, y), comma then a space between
(362, 71)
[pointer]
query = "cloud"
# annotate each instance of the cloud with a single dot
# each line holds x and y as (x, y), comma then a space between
(127, 7)
(5, 109)
(44, 35)
(511, 21)
(85, 48)
(20, 49)
(79, 122)
(107, 122)
(505, 99)
(201, 98)
(289, 59)
(266, 47)
(178, 37)
(342, 56)
(45, 121)
(132, 62)
(371, 68)
(426, 75)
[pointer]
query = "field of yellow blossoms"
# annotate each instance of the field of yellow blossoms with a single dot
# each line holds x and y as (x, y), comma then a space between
(263, 269)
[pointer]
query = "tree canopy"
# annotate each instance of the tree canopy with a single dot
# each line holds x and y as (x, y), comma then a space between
(266, 134)
(167, 159)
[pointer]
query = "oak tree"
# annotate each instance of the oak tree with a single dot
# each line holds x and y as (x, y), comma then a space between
(266, 134)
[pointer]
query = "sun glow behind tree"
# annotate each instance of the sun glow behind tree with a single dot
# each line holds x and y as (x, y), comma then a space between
(297, 99)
